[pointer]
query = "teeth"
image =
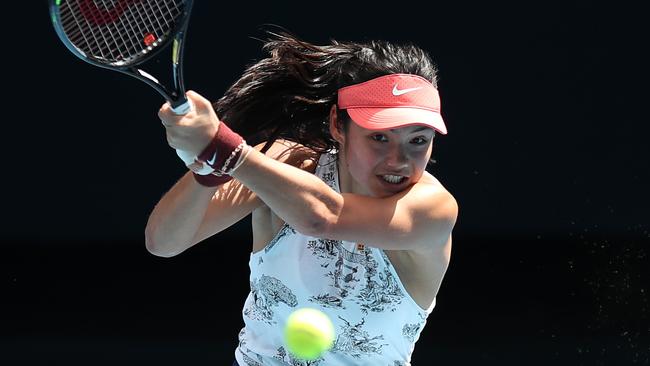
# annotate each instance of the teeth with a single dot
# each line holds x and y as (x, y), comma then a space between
(392, 178)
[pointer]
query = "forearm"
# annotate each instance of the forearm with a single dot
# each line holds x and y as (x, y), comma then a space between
(176, 218)
(298, 197)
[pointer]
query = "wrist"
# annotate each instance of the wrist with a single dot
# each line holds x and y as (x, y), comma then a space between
(222, 149)
(220, 158)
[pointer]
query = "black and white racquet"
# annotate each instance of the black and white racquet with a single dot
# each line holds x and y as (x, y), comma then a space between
(121, 35)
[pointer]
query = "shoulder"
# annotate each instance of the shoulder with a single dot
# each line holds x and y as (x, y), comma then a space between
(292, 153)
(435, 205)
(430, 185)
(428, 193)
(419, 218)
(441, 194)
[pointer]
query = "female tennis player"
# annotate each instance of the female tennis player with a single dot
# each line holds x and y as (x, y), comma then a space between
(327, 147)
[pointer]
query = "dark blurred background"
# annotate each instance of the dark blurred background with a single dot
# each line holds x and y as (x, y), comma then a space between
(547, 155)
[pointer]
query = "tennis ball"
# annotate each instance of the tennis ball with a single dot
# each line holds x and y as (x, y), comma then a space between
(308, 333)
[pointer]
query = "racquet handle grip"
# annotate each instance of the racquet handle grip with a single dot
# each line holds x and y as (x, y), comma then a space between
(188, 158)
(184, 108)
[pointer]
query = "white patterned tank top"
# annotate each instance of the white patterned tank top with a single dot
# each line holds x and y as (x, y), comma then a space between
(375, 319)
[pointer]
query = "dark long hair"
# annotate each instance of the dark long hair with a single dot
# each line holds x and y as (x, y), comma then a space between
(289, 94)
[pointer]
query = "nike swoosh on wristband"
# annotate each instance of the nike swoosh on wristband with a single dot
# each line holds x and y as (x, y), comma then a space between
(397, 92)
(212, 160)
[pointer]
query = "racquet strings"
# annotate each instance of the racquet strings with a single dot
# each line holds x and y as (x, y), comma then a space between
(119, 32)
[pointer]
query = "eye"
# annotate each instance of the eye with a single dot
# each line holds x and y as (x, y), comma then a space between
(420, 140)
(379, 138)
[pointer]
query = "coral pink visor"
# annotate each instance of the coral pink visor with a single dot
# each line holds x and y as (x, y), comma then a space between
(392, 101)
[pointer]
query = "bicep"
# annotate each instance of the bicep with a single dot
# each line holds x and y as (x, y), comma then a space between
(415, 219)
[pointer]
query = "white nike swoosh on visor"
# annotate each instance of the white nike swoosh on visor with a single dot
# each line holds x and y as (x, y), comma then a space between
(397, 92)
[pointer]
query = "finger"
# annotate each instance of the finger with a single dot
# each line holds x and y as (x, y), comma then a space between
(167, 117)
(201, 104)
(163, 108)
(163, 113)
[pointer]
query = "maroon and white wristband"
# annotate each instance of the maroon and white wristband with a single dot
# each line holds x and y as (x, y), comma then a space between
(223, 155)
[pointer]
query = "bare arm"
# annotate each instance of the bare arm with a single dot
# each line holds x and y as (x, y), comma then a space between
(298, 197)
(189, 212)
(177, 221)
(415, 219)
(176, 217)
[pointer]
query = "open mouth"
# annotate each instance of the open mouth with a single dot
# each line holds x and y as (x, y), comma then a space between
(393, 179)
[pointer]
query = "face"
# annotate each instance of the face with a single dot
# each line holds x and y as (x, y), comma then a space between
(384, 162)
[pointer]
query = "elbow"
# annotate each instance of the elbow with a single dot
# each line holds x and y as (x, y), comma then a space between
(155, 247)
(315, 228)
(323, 219)
(319, 225)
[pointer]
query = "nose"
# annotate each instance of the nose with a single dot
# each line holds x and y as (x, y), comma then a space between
(397, 159)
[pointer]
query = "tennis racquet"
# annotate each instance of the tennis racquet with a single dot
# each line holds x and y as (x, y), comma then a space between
(121, 35)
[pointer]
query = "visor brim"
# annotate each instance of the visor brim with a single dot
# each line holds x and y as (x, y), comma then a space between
(385, 118)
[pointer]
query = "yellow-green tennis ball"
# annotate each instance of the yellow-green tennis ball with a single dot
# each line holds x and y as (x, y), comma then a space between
(308, 333)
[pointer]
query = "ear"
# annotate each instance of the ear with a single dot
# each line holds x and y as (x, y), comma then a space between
(334, 126)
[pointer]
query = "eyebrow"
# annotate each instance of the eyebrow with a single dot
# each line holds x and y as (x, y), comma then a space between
(421, 128)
